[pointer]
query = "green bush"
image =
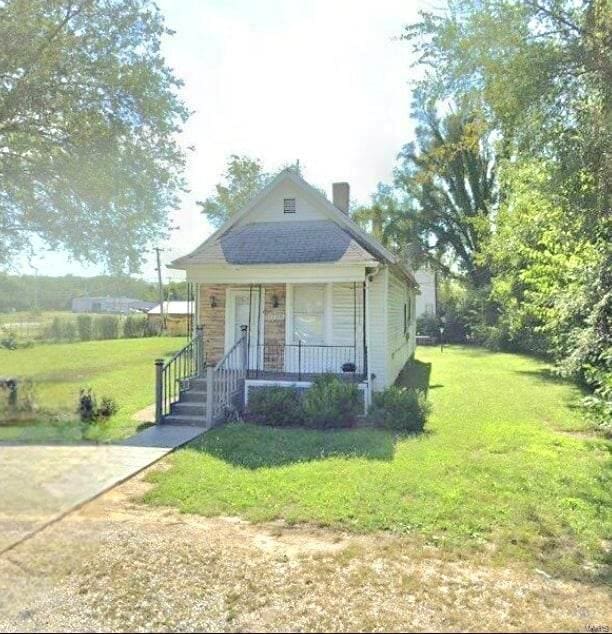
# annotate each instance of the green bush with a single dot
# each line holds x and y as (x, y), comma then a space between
(276, 406)
(399, 409)
(8, 339)
(69, 330)
(61, 329)
(106, 327)
(134, 326)
(85, 327)
(89, 411)
(331, 402)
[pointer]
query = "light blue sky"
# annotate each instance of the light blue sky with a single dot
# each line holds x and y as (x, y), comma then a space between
(325, 81)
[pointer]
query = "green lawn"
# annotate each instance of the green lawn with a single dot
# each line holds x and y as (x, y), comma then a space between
(505, 467)
(121, 368)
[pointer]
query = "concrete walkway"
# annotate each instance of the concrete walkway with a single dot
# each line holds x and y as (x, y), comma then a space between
(40, 484)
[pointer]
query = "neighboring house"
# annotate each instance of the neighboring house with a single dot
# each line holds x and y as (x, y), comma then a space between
(316, 292)
(427, 299)
(178, 316)
(121, 305)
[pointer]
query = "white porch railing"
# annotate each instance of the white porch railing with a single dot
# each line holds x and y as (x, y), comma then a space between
(225, 380)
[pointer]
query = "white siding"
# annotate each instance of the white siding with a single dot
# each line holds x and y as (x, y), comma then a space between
(270, 209)
(377, 315)
(400, 343)
(347, 318)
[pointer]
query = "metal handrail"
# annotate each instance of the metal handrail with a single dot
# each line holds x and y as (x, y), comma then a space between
(171, 375)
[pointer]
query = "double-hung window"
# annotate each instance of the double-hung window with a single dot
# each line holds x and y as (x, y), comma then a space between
(309, 314)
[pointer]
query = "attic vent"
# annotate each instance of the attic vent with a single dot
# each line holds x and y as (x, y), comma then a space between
(289, 205)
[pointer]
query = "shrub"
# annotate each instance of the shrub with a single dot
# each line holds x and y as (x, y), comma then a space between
(89, 411)
(8, 339)
(61, 329)
(331, 402)
(277, 406)
(428, 325)
(69, 330)
(106, 327)
(85, 327)
(134, 326)
(400, 409)
(108, 407)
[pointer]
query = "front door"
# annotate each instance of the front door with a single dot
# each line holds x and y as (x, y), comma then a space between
(244, 309)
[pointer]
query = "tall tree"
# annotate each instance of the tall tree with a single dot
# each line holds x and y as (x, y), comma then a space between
(89, 114)
(544, 70)
(242, 180)
(449, 175)
(387, 218)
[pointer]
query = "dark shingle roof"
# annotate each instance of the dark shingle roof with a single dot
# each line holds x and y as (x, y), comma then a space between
(288, 242)
(295, 242)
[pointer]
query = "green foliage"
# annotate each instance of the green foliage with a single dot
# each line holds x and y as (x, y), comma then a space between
(244, 177)
(90, 411)
(88, 126)
(385, 217)
(449, 180)
(135, 326)
(541, 74)
(331, 402)
(61, 329)
(276, 406)
(399, 409)
(85, 327)
(8, 339)
(106, 327)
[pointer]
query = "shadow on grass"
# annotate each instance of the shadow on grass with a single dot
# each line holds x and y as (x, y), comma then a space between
(254, 447)
(416, 374)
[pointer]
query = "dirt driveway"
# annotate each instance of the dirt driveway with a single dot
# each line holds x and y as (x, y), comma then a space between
(116, 564)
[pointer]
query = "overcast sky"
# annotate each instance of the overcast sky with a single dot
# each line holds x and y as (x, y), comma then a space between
(322, 81)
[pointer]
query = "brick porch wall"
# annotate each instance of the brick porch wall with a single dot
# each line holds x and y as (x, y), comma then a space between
(213, 320)
(274, 327)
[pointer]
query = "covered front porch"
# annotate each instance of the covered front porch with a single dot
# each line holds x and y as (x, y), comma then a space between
(294, 330)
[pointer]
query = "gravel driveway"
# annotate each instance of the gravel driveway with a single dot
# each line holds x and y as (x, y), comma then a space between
(119, 565)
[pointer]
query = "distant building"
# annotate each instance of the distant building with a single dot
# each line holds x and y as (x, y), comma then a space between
(178, 316)
(427, 300)
(116, 305)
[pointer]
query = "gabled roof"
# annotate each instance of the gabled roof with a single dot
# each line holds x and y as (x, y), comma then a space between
(338, 239)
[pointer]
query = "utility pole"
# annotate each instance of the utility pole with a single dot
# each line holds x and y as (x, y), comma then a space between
(162, 315)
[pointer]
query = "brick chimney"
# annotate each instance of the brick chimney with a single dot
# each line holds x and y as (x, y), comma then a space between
(340, 195)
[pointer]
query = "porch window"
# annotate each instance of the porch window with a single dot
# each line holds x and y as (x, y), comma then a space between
(308, 314)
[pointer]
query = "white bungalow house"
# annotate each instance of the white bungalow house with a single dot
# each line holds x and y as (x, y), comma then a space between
(315, 292)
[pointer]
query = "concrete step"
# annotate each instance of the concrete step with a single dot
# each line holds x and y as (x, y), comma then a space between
(189, 408)
(198, 383)
(183, 419)
(193, 396)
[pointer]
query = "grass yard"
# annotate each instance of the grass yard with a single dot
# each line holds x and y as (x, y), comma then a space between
(507, 467)
(121, 368)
